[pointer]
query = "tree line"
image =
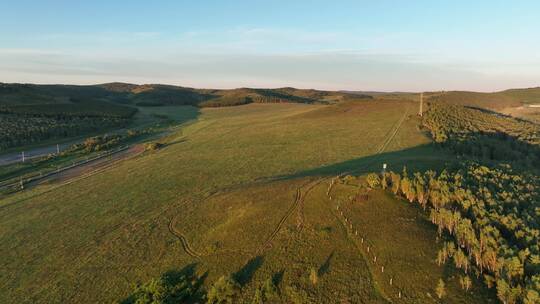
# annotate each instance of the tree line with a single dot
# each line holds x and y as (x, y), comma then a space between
(486, 205)
(18, 130)
(27, 124)
(490, 218)
(77, 108)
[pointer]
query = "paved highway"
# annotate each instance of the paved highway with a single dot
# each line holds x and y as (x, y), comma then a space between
(14, 157)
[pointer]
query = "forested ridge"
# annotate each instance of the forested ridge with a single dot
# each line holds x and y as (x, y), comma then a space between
(92, 108)
(26, 124)
(486, 205)
(484, 135)
(20, 130)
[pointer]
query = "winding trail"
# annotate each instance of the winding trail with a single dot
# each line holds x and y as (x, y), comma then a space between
(183, 240)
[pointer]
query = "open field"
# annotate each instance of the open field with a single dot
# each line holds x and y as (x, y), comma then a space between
(252, 191)
(255, 152)
(209, 188)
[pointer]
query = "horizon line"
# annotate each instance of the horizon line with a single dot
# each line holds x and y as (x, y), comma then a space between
(269, 88)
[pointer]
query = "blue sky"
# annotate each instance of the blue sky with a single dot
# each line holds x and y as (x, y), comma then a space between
(355, 45)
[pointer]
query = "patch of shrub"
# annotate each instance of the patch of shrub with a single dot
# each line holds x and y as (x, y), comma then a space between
(373, 180)
(224, 291)
(265, 293)
(168, 289)
(153, 146)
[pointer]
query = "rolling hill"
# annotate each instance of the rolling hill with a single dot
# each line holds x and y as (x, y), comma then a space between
(494, 101)
(157, 94)
(275, 196)
(49, 112)
(208, 185)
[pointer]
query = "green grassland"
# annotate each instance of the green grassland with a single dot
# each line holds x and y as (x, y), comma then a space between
(240, 188)
(225, 183)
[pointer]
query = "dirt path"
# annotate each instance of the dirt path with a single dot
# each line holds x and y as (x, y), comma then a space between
(183, 240)
(393, 134)
(185, 243)
(283, 219)
(296, 205)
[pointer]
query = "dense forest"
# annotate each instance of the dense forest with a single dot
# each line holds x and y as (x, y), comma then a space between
(87, 108)
(27, 124)
(487, 204)
(484, 135)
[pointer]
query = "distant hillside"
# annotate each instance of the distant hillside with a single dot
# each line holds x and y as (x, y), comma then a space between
(30, 114)
(159, 95)
(527, 96)
(16, 94)
(492, 101)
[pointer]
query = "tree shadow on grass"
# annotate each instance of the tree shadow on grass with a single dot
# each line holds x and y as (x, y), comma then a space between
(278, 277)
(199, 292)
(423, 157)
(245, 274)
(325, 267)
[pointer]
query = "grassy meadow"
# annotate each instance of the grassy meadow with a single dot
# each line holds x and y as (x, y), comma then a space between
(226, 181)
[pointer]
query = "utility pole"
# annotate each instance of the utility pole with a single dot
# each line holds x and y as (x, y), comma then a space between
(23, 156)
(57, 149)
(421, 103)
